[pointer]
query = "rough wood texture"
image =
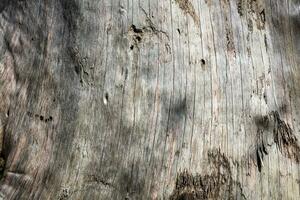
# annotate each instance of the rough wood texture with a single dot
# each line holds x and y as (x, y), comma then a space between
(150, 99)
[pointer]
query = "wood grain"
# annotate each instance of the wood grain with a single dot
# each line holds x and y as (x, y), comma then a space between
(149, 99)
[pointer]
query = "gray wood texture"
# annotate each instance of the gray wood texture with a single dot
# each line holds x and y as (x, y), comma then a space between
(149, 99)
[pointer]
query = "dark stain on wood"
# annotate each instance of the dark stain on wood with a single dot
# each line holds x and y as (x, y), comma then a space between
(255, 9)
(187, 7)
(285, 139)
(136, 30)
(228, 28)
(240, 7)
(2, 166)
(262, 122)
(178, 111)
(217, 184)
(40, 117)
(261, 151)
(131, 185)
(230, 42)
(6, 3)
(203, 62)
(98, 180)
(65, 194)
(71, 14)
(139, 33)
(80, 65)
(250, 25)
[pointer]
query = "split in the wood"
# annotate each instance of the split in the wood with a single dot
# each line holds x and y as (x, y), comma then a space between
(266, 42)
(261, 151)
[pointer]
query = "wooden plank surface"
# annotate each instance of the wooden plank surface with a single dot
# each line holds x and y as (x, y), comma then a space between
(142, 99)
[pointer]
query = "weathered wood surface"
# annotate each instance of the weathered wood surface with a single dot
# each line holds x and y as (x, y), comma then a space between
(150, 99)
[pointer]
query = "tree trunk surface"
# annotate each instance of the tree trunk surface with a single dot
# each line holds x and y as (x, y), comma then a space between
(149, 99)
